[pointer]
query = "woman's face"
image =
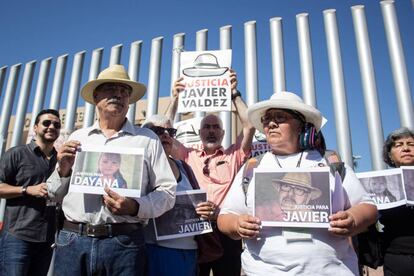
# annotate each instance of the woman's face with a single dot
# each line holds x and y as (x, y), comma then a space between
(108, 166)
(378, 185)
(402, 152)
(282, 131)
(166, 139)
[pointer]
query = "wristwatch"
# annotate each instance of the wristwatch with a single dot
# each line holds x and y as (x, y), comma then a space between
(235, 95)
(24, 191)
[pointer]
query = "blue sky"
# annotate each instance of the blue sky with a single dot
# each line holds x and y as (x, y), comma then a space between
(35, 30)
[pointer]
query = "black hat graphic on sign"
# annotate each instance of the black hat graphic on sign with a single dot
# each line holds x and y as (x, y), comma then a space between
(205, 65)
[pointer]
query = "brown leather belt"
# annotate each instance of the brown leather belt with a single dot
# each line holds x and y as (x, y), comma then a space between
(101, 230)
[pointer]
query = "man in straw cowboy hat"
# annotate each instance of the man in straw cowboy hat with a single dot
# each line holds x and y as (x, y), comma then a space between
(215, 169)
(102, 235)
(290, 125)
(295, 189)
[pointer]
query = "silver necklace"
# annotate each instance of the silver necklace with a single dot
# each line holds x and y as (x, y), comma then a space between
(297, 164)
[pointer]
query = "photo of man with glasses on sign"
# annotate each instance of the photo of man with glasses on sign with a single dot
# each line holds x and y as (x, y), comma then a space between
(25, 242)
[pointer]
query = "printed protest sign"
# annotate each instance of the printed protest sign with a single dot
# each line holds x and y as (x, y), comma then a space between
(118, 168)
(259, 144)
(187, 132)
(385, 187)
(207, 81)
(182, 220)
(293, 197)
(408, 181)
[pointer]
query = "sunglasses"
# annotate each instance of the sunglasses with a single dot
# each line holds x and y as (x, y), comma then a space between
(47, 123)
(161, 130)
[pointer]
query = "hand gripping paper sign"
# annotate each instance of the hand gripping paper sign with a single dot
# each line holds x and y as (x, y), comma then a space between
(118, 168)
(207, 81)
(293, 197)
(182, 220)
(385, 187)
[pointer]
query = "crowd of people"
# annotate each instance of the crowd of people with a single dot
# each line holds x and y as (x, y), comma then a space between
(112, 234)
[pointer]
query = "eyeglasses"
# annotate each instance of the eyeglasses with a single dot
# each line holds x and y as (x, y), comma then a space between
(161, 130)
(47, 123)
(276, 117)
(206, 170)
(296, 190)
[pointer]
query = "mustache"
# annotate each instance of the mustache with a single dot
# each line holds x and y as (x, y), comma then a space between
(115, 100)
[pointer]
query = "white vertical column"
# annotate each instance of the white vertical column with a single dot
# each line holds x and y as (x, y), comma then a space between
(338, 87)
(306, 63)
(133, 72)
(39, 99)
(115, 57)
(201, 45)
(225, 43)
(58, 80)
(95, 68)
(154, 76)
(24, 96)
(278, 61)
(73, 93)
(250, 55)
(178, 47)
(366, 66)
(399, 69)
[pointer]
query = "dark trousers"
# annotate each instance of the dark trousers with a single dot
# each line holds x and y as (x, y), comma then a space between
(398, 265)
(111, 256)
(19, 257)
(229, 264)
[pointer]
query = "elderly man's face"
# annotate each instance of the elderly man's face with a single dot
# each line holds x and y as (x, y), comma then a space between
(211, 132)
(113, 98)
(282, 131)
(292, 195)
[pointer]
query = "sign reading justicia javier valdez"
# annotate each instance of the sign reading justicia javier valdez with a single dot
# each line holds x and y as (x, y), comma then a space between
(119, 168)
(182, 220)
(293, 197)
(206, 76)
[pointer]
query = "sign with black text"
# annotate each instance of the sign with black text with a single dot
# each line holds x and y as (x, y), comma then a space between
(385, 187)
(182, 220)
(207, 81)
(119, 168)
(293, 197)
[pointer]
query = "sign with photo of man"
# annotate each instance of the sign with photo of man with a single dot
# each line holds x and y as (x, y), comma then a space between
(118, 168)
(293, 197)
(182, 220)
(206, 75)
(408, 181)
(385, 187)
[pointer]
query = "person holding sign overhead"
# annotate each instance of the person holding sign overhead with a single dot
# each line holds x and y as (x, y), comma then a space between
(103, 235)
(216, 167)
(289, 124)
(398, 236)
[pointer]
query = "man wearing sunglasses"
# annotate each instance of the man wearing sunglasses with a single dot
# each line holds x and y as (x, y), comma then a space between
(103, 235)
(216, 167)
(25, 242)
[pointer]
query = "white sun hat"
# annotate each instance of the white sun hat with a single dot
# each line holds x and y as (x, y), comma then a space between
(285, 100)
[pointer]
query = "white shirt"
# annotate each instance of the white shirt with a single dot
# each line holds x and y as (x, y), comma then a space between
(158, 182)
(323, 253)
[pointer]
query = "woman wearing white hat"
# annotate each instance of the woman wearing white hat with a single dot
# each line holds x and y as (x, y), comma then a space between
(290, 126)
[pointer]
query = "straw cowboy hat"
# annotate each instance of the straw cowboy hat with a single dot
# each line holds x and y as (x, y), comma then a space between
(114, 73)
(205, 65)
(300, 179)
(285, 100)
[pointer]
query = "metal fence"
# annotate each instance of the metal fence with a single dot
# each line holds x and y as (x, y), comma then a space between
(399, 71)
